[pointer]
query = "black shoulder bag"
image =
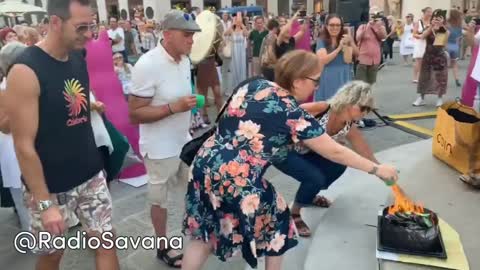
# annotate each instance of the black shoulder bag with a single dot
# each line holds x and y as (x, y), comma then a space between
(191, 148)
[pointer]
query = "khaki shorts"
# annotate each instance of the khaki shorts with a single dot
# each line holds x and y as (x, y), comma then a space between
(90, 202)
(165, 174)
(367, 74)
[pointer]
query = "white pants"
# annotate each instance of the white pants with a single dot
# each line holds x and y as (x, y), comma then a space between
(22, 211)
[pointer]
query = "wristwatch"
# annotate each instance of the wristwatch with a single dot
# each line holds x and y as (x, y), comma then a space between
(374, 170)
(44, 205)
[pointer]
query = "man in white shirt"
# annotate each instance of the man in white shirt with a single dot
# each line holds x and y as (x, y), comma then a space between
(161, 101)
(117, 35)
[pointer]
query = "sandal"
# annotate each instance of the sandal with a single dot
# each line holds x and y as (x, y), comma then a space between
(471, 180)
(170, 261)
(302, 227)
(321, 201)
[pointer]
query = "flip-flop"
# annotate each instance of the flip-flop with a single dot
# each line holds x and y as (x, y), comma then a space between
(302, 227)
(321, 201)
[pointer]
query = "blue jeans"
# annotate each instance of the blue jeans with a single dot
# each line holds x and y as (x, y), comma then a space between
(313, 171)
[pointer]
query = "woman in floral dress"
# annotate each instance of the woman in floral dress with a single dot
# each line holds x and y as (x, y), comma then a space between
(230, 208)
(434, 71)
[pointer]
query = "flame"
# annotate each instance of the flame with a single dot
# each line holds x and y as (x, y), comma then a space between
(403, 203)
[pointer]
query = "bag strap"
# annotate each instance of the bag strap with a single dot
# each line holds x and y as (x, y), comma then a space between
(240, 85)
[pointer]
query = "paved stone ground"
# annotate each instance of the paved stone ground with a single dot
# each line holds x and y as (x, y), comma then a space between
(394, 94)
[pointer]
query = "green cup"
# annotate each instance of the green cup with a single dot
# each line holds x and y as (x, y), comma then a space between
(200, 101)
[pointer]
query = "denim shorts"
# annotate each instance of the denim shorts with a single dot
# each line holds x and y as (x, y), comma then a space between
(453, 51)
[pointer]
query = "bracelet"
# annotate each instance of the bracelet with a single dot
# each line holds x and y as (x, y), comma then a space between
(170, 109)
(374, 170)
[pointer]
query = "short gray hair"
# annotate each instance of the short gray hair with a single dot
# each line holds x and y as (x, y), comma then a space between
(352, 93)
(9, 54)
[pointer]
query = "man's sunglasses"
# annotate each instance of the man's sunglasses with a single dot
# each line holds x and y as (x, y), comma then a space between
(83, 28)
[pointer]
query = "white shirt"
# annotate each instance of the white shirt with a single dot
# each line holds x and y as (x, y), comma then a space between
(476, 69)
(114, 34)
(156, 75)
(226, 25)
(8, 160)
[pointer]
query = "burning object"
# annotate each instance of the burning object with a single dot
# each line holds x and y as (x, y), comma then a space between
(406, 227)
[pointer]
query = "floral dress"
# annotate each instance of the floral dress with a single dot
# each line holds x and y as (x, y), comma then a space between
(228, 203)
(433, 78)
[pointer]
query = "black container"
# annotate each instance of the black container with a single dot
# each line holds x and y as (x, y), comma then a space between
(401, 239)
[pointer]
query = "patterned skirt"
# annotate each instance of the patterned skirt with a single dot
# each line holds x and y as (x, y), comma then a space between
(235, 219)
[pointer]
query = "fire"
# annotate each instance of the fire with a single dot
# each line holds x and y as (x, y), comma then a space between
(403, 203)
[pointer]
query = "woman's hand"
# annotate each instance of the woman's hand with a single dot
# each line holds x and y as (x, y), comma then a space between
(387, 173)
(98, 106)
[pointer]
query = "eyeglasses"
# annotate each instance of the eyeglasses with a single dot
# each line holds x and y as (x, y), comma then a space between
(315, 81)
(83, 28)
(335, 25)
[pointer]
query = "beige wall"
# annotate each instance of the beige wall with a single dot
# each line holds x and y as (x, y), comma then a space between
(415, 7)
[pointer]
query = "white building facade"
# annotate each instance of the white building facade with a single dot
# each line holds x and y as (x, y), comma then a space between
(156, 9)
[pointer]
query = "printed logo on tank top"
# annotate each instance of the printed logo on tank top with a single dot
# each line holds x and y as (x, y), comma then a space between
(77, 102)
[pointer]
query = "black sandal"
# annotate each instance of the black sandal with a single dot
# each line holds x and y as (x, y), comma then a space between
(170, 261)
(302, 227)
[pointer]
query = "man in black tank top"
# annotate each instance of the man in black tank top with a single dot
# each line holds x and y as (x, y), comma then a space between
(49, 112)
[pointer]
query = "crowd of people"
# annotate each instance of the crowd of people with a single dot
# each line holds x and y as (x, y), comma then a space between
(309, 88)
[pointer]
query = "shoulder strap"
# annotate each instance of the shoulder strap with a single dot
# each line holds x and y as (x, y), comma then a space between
(240, 85)
(322, 114)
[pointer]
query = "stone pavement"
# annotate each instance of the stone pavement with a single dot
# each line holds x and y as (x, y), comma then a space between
(394, 94)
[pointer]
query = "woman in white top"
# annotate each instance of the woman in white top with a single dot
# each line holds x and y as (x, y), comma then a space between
(407, 43)
(10, 170)
(420, 43)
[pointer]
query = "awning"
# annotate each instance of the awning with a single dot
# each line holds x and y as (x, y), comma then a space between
(17, 6)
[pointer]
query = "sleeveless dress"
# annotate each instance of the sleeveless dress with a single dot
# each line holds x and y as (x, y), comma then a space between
(335, 74)
(228, 202)
(407, 44)
(239, 58)
(420, 44)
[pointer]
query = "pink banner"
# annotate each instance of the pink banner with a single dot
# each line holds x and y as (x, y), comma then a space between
(108, 89)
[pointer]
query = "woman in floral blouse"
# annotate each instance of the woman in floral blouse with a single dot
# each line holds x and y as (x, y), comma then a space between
(230, 208)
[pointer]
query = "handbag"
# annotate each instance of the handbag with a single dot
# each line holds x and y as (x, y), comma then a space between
(456, 138)
(190, 149)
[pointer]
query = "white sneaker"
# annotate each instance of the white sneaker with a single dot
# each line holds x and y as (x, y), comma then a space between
(439, 102)
(419, 102)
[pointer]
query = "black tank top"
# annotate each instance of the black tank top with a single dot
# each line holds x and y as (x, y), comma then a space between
(65, 142)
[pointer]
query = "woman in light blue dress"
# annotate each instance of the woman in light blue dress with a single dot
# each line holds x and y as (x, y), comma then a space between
(330, 49)
(238, 34)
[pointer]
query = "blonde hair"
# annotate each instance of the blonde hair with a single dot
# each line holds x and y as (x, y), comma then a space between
(31, 36)
(352, 93)
(295, 65)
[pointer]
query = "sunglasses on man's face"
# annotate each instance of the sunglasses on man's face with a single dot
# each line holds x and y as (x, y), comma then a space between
(83, 28)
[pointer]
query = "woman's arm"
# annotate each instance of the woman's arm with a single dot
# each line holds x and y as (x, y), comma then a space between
(328, 148)
(285, 31)
(426, 32)
(415, 31)
(303, 30)
(4, 123)
(315, 108)
(326, 57)
(360, 145)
